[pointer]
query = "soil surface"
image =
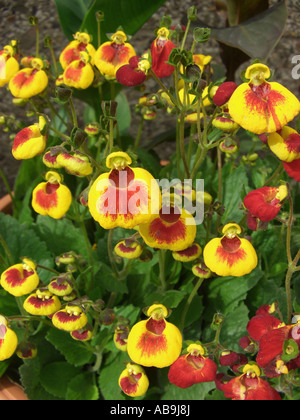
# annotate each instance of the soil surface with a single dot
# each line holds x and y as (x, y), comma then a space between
(14, 25)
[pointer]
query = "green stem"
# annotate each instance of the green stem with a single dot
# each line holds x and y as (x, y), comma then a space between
(185, 34)
(219, 184)
(181, 143)
(162, 269)
(276, 173)
(60, 134)
(138, 137)
(53, 59)
(84, 233)
(73, 112)
(110, 253)
(48, 269)
(189, 301)
(111, 134)
(165, 89)
(7, 251)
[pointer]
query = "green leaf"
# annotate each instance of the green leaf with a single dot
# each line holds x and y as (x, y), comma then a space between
(24, 242)
(56, 377)
(60, 235)
(233, 188)
(71, 14)
(249, 36)
(109, 376)
(170, 298)
(131, 15)
(74, 351)
(197, 392)
(225, 293)
(82, 388)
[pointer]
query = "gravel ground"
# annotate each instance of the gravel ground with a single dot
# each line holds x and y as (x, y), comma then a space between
(14, 25)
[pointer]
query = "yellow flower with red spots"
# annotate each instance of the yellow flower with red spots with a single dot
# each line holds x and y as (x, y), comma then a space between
(189, 254)
(260, 106)
(125, 196)
(51, 198)
(9, 66)
(230, 255)
(121, 336)
(111, 55)
(154, 342)
(79, 73)
(133, 381)
(71, 52)
(173, 228)
(71, 318)
(30, 81)
(84, 334)
(285, 144)
(42, 302)
(30, 141)
(74, 163)
(8, 340)
(26, 350)
(20, 279)
(128, 248)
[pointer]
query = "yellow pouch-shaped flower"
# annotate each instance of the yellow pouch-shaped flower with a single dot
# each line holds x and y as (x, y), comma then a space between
(20, 279)
(72, 51)
(285, 144)
(9, 66)
(8, 340)
(260, 106)
(42, 303)
(29, 82)
(30, 142)
(230, 255)
(70, 319)
(113, 54)
(125, 196)
(133, 381)
(154, 342)
(79, 73)
(173, 229)
(51, 198)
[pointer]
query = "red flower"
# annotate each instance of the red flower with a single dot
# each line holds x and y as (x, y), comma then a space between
(293, 169)
(264, 203)
(260, 324)
(248, 386)
(192, 368)
(160, 51)
(224, 92)
(133, 73)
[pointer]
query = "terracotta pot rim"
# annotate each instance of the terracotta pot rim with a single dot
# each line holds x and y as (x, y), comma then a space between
(10, 390)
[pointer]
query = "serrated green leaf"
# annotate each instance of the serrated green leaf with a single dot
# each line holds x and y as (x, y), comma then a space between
(22, 241)
(74, 351)
(233, 186)
(82, 387)
(109, 376)
(55, 378)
